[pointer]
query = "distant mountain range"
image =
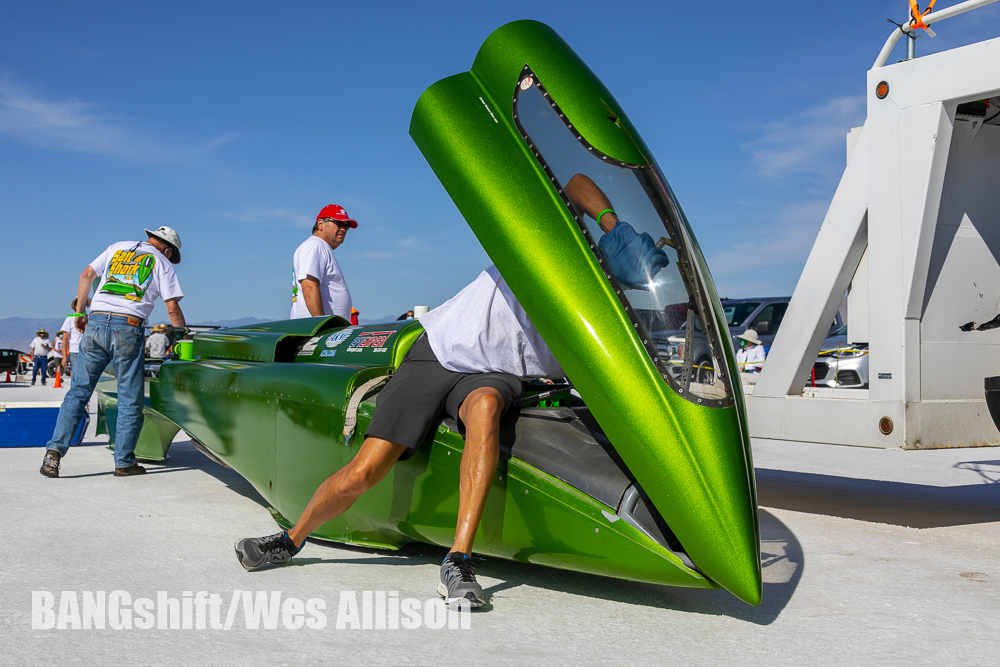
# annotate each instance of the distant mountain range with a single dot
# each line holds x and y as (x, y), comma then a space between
(16, 332)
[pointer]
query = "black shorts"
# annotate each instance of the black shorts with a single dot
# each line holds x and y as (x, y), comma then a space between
(422, 391)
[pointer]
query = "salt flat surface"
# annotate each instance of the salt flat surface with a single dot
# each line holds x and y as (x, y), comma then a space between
(11, 392)
(870, 557)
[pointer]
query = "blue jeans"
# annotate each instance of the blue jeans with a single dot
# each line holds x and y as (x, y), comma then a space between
(72, 363)
(41, 366)
(108, 339)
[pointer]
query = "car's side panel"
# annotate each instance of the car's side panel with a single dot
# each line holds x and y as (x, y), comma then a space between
(530, 516)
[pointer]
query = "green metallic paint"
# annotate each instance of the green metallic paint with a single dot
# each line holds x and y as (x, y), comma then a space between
(583, 97)
(260, 342)
(241, 411)
(692, 461)
(266, 401)
(407, 337)
(157, 432)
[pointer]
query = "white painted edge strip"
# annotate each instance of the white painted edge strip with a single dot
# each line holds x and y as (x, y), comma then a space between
(17, 405)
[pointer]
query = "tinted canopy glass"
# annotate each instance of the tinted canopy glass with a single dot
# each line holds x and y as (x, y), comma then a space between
(634, 227)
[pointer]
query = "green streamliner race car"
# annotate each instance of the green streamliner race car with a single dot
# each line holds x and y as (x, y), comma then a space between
(645, 475)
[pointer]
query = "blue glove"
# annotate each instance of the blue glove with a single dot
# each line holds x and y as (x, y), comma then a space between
(633, 258)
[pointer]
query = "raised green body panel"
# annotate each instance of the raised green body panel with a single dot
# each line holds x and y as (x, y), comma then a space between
(270, 400)
(262, 342)
(691, 460)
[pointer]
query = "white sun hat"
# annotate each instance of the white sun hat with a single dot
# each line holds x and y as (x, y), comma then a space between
(170, 236)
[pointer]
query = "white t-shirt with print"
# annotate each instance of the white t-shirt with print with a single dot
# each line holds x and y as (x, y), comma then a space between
(483, 329)
(133, 275)
(315, 258)
(39, 347)
(75, 336)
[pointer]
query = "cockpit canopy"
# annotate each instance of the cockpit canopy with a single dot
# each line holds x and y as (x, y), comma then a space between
(658, 281)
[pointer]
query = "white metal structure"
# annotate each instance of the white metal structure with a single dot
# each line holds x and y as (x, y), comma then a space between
(913, 232)
(929, 20)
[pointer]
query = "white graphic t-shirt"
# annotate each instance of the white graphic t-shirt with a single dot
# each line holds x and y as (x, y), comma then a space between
(315, 258)
(483, 329)
(133, 275)
(74, 336)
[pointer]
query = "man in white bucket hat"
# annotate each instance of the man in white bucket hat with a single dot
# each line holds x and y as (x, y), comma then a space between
(133, 274)
(750, 357)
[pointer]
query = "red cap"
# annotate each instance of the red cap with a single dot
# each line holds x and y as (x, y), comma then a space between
(337, 213)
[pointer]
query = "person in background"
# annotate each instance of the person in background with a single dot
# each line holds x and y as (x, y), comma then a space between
(39, 351)
(174, 335)
(354, 315)
(750, 356)
(132, 275)
(71, 338)
(158, 344)
(318, 286)
(408, 315)
(55, 354)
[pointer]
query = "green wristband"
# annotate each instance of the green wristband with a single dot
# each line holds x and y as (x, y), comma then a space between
(601, 214)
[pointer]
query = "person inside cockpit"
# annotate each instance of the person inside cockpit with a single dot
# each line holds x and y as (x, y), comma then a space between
(633, 258)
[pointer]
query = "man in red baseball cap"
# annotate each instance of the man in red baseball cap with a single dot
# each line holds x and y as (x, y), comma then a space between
(318, 285)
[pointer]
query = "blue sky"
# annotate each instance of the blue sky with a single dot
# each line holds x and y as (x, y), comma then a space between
(235, 122)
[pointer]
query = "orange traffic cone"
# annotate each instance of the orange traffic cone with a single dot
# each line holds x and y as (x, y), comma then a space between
(58, 384)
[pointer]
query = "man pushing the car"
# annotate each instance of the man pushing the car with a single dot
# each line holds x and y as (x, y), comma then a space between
(470, 363)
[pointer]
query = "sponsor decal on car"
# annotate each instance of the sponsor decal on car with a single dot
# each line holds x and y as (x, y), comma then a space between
(328, 353)
(309, 347)
(375, 340)
(336, 339)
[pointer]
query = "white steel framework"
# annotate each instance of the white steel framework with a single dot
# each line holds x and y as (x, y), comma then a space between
(913, 232)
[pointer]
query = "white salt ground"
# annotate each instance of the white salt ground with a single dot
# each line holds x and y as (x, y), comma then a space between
(870, 557)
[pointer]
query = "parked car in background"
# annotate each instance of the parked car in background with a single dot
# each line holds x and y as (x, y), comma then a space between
(10, 361)
(840, 364)
(763, 315)
(669, 329)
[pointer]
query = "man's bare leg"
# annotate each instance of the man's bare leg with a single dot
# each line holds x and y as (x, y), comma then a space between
(339, 491)
(333, 497)
(480, 412)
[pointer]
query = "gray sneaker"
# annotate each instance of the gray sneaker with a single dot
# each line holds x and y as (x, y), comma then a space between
(255, 552)
(458, 580)
(50, 464)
